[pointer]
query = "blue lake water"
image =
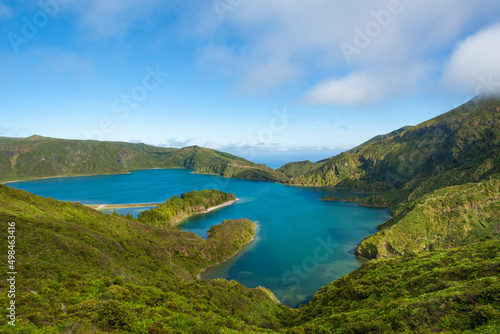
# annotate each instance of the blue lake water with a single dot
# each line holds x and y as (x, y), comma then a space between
(302, 243)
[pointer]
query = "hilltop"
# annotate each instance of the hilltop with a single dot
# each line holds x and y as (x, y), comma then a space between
(38, 157)
(463, 142)
(439, 177)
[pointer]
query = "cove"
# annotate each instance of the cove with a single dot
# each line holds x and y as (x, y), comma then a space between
(302, 243)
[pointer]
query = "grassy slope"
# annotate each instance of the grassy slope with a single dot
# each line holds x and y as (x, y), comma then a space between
(37, 157)
(441, 219)
(439, 177)
(83, 270)
(295, 169)
(457, 141)
(452, 291)
(208, 161)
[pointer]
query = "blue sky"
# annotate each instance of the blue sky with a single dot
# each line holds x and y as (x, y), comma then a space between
(263, 79)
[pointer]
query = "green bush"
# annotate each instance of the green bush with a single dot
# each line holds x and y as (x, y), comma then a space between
(483, 314)
(115, 314)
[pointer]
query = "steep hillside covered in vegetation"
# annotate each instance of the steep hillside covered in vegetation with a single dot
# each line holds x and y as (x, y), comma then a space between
(207, 161)
(440, 178)
(38, 157)
(452, 291)
(443, 218)
(83, 271)
(294, 169)
(463, 142)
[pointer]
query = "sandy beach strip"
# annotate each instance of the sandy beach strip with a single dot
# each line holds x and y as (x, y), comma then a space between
(120, 206)
(142, 205)
(221, 205)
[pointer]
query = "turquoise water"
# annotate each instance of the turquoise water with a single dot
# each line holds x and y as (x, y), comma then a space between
(302, 243)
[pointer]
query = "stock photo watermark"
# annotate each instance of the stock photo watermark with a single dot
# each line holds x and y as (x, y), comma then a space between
(11, 273)
(223, 7)
(293, 278)
(364, 35)
(265, 136)
(32, 26)
(122, 106)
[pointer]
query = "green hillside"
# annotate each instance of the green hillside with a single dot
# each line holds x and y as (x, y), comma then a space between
(38, 157)
(463, 142)
(443, 218)
(440, 178)
(295, 169)
(452, 291)
(178, 208)
(207, 161)
(82, 271)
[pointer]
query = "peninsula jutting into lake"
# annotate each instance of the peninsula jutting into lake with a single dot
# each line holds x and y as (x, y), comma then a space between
(295, 167)
(312, 233)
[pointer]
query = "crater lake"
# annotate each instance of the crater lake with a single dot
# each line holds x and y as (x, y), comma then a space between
(302, 243)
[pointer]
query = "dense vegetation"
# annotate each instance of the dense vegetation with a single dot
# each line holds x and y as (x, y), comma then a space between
(294, 169)
(83, 271)
(438, 177)
(37, 157)
(207, 161)
(458, 147)
(330, 198)
(451, 291)
(437, 259)
(177, 208)
(443, 218)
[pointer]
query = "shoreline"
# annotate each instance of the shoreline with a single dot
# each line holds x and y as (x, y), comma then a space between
(65, 176)
(99, 207)
(213, 208)
(120, 206)
(232, 256)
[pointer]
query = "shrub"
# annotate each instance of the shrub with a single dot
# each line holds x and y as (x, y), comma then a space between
(483, 314)
(115, 314)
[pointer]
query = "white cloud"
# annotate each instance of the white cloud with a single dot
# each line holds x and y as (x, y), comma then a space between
(354, 89)
(366, 87)
(177, 143)
(275, 44)
(475, 64)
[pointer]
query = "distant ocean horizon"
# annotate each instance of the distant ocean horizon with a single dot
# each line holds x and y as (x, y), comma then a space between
(276, 159)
